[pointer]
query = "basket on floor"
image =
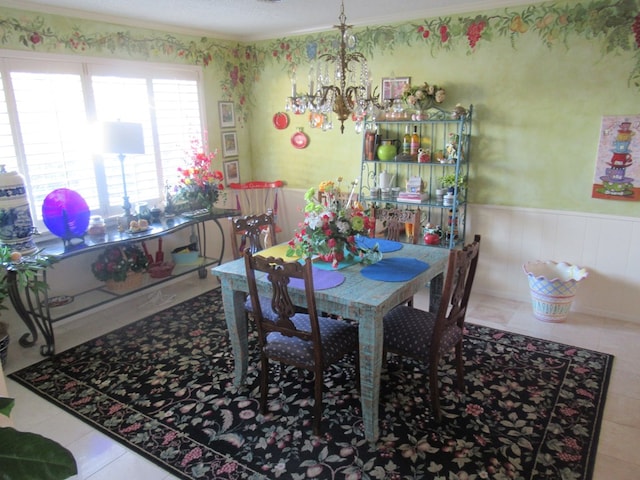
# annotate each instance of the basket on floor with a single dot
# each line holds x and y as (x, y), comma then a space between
(134, 280)
(553, 287)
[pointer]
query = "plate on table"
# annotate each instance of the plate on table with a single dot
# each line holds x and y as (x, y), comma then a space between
(281, 120)
(299, 140)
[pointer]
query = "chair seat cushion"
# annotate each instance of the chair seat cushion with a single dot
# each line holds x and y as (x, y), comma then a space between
(408, 331)
(338, 338)
(265, 306)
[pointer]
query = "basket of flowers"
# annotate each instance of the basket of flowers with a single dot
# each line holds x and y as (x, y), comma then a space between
(122, 268)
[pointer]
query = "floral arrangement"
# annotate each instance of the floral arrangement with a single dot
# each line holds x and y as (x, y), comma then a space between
(422, 96)
(199, 185)
(330, 225)
(116, 262)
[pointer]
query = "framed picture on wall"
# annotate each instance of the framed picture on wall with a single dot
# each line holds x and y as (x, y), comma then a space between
(392, 87)
(227, 115)
(231, 171)
(229, 144)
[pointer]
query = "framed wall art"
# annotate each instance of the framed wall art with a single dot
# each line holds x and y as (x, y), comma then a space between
(392, 87)
(231, 172)
(227, 115)
(617, 174)
(229, 144)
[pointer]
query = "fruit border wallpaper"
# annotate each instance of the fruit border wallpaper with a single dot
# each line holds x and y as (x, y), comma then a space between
(615, 24)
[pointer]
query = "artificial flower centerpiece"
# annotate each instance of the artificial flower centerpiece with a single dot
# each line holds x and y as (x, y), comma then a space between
(115, 263)
(199, 185)
(422, 97)
(330, 226)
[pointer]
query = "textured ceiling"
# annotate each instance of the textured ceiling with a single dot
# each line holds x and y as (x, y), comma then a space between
(254, 19)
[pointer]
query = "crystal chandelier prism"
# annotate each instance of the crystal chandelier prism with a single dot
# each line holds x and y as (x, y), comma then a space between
(347, 94)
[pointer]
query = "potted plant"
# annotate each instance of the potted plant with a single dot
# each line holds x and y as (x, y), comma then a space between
(26, 455)
(448, 182)
(23, 454)
(26, 269)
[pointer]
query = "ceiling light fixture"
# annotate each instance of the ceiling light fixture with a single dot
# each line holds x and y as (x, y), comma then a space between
(348, 95)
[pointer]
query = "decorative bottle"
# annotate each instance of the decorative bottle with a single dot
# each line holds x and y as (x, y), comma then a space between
(415, 142)
(406, 141)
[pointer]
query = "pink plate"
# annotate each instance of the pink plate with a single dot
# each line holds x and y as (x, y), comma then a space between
(281, 120)
(299, 140)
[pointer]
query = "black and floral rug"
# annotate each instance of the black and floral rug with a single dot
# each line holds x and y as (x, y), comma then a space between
(163, 387)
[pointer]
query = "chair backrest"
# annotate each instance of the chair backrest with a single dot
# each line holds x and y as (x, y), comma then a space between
(457, 289)
(255, 232)
(255, 197)
(279, 272)
(395, 219)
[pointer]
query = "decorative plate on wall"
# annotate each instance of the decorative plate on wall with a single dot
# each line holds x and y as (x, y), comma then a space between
(281, 120)
(300, 139)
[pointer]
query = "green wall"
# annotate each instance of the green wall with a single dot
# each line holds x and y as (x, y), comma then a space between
(540, 78)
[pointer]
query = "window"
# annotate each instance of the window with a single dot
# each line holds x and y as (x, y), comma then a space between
(51, 113)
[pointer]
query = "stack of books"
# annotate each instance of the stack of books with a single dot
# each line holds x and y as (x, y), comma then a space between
(413, 197)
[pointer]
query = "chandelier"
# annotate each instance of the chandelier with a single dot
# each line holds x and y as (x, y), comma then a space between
(348, 93)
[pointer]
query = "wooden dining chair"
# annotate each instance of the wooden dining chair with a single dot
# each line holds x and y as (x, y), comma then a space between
(255, 232)
(305, 340)
(252, 232)
(428, 337)
(395, 219)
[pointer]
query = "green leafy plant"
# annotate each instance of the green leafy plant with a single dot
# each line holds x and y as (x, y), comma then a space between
(26, 269)
(449, 180)
(29, 456)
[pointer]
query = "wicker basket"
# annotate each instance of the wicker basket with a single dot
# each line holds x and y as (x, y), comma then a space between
(133, 281)
(160, 270)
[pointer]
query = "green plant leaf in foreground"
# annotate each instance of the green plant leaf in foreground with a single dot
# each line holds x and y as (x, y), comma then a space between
(29, 456)
(6, 405)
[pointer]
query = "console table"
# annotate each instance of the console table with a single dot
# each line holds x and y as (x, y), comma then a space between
(35, 310)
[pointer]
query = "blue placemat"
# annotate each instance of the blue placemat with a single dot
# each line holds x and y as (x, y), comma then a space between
(396, 269)
(322, 279)
(384, 245)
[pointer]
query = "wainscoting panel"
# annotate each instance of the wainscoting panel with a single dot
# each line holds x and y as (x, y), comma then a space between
(607, 246)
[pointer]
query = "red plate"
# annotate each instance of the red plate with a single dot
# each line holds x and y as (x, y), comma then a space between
(299, 140)
(281, 120)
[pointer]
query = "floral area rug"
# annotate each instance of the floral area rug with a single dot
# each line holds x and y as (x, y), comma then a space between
(163, 387)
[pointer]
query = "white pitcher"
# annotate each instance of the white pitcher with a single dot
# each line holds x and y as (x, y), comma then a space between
(386, 179)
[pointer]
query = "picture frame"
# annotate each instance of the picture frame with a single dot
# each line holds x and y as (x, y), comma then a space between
(227, 114)
(392, 87)
(229, 144)
(231, 170)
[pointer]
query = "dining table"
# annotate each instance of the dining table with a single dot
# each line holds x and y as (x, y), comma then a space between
(359, 296)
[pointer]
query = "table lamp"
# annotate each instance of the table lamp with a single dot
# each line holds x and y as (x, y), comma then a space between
(123, 138)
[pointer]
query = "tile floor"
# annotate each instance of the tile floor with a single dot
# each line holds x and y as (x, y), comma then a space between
(99, 457)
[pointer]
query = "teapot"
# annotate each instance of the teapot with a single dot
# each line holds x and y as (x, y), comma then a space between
(386, 179)
(432, 235)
